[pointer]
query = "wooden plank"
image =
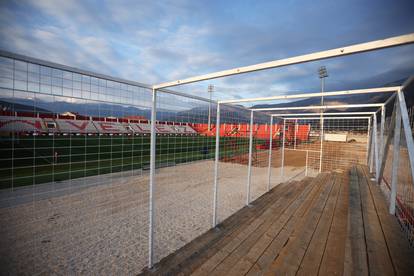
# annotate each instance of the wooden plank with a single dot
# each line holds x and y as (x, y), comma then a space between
(278, 242)
(256, 226)
(379, 261)
(287, 226)
(224, 241)
(184, 257)
(315, 251)
(289, 259)
(334, 255)
(356, 262)
(256, 249)
(401, 253)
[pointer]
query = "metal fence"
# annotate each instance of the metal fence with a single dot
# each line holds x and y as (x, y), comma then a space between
(396, 171)
(104, 176)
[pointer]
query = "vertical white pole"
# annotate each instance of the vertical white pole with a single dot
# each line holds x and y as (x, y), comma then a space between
(152, 180)
(283, 151)
(382, 130)
(270, 153)
(395, 160)
(322, 125)
(296, 130)
(306, 163)
(249, 172)
(321, 148)
(371, 168)
(371, 153)
(376, 147)
(216, 167)
(368, 139)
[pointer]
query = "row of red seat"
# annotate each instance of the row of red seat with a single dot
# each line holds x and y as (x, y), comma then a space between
(259, 131)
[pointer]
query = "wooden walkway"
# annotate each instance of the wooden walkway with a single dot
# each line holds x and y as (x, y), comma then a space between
(334, 224)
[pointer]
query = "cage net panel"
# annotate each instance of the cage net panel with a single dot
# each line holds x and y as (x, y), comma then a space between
(233, 160)
(183, 198)
(73, 197)
(405, 190)
(344, 143)
(276, 158)
(260, 155)
(302, 148)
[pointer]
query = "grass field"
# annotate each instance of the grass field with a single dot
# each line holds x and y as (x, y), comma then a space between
(30, 160)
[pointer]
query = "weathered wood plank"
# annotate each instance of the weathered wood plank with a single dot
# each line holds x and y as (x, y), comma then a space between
(315, 251)
(334, 255)
(401, 253)
(290, 221)
(289, 259)
(248, 260)
(356, 262)
(379, 260)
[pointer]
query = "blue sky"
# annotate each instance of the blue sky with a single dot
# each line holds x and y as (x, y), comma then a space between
(157, 41)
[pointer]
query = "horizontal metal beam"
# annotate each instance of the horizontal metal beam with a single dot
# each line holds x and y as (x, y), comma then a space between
(324, 114)
(318, 107)
(342, 51)
(327, 118)
(317, 94)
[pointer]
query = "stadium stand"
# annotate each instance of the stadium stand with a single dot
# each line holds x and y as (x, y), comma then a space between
(30, 123)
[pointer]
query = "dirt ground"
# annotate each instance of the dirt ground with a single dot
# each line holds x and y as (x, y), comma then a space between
(336, 155)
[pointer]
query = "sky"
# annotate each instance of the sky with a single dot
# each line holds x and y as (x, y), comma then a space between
(157, 41)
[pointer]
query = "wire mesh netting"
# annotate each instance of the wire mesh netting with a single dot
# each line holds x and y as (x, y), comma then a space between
(344, 143)
(404, 203)
(75, 167)
(73, 194)
(184, 172)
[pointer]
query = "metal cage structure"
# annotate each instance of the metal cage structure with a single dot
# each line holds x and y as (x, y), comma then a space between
(147, 164)
(375, 138)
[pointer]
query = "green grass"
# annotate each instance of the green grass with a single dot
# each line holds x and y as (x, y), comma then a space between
(29, 160)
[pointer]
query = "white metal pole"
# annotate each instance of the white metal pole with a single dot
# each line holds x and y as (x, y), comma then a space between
(382, 130)
(296, 130)
(376, 148)
(352, 49)
(395, 161)
(322, 125)
(152, 179)
(371, 152)
(321, 148)
(368, 139)
(210, 91)
(270, 153)
(216, 167)
(283, 151)
(249, 172)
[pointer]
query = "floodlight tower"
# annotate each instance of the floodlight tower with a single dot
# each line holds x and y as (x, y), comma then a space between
(210, 91)
(323, 73)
